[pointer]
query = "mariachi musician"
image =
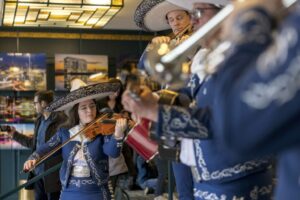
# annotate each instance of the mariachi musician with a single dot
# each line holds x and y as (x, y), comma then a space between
(161, 15)
(265, 96)
(85, 151)
(217, 174)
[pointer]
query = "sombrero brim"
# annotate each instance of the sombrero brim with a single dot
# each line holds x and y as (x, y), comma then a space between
(95, 91)
(151, 15)
(188, 4)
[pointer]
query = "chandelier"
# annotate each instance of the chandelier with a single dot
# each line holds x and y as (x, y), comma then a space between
(58, 13)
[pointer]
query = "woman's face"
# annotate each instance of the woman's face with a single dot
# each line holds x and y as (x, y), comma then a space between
(178, 20)
(87, 111)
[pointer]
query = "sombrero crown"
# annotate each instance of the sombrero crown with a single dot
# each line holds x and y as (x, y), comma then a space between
(150, 15)
(188, 4)
(80, 91)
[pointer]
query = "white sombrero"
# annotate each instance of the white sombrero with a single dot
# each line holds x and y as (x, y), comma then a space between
(188, 4)
(150, 15)
(80, 91)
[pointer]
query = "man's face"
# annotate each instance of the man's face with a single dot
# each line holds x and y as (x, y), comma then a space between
(202, 13)
(38, 105)
(178, 20)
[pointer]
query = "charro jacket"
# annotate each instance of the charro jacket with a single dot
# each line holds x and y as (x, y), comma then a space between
(219, 175)
(96, 153)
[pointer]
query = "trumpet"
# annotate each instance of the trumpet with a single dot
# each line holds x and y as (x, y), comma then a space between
(169, 66)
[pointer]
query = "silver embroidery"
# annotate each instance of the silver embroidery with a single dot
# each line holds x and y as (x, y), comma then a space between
(194, 82)
(192, 85)
(34, 156)
(105, 194)
(93, 167)
(255, 34)
(228, 172)
(276, 54)
(181, 122)
(281, 89)
(207, 195)
(54, 141)
(79, 183)
(70, 163)
(80, 166)
(255, 193)
(106, 139)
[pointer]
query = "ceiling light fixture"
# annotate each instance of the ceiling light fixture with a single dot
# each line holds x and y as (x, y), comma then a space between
(58, 13)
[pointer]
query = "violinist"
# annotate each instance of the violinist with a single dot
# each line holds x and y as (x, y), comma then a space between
(179, 22)
(84, 171)
(159, 16)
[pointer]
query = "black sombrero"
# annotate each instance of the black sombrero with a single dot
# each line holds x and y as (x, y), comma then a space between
(81, 92)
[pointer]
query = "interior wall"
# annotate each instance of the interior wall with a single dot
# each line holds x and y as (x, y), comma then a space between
(11, 161)
(117, 51)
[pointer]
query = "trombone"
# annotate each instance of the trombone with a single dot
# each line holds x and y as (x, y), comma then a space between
(168, 65)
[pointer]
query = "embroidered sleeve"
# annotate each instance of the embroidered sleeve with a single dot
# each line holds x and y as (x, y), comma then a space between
(179, 122)
(111, 146)
(51, 144)
(119, 141)
(34, 156)
(255, 24)
(262, 94)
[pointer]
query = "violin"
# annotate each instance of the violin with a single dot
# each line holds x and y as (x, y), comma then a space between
(188, 30)
(105, 126)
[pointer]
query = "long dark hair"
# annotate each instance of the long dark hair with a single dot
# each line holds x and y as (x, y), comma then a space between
(73, 116)
(103, 103)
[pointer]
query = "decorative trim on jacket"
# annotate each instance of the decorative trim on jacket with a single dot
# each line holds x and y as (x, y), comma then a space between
(178, 122)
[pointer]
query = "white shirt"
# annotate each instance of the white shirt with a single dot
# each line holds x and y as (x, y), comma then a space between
(187, 154)
(80, 166)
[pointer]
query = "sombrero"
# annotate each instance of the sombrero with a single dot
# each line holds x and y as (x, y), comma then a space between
(150, 15)
(188, 4)
(80, 91)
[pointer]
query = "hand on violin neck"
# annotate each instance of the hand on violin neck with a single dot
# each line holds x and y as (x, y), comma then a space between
(121, 126)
